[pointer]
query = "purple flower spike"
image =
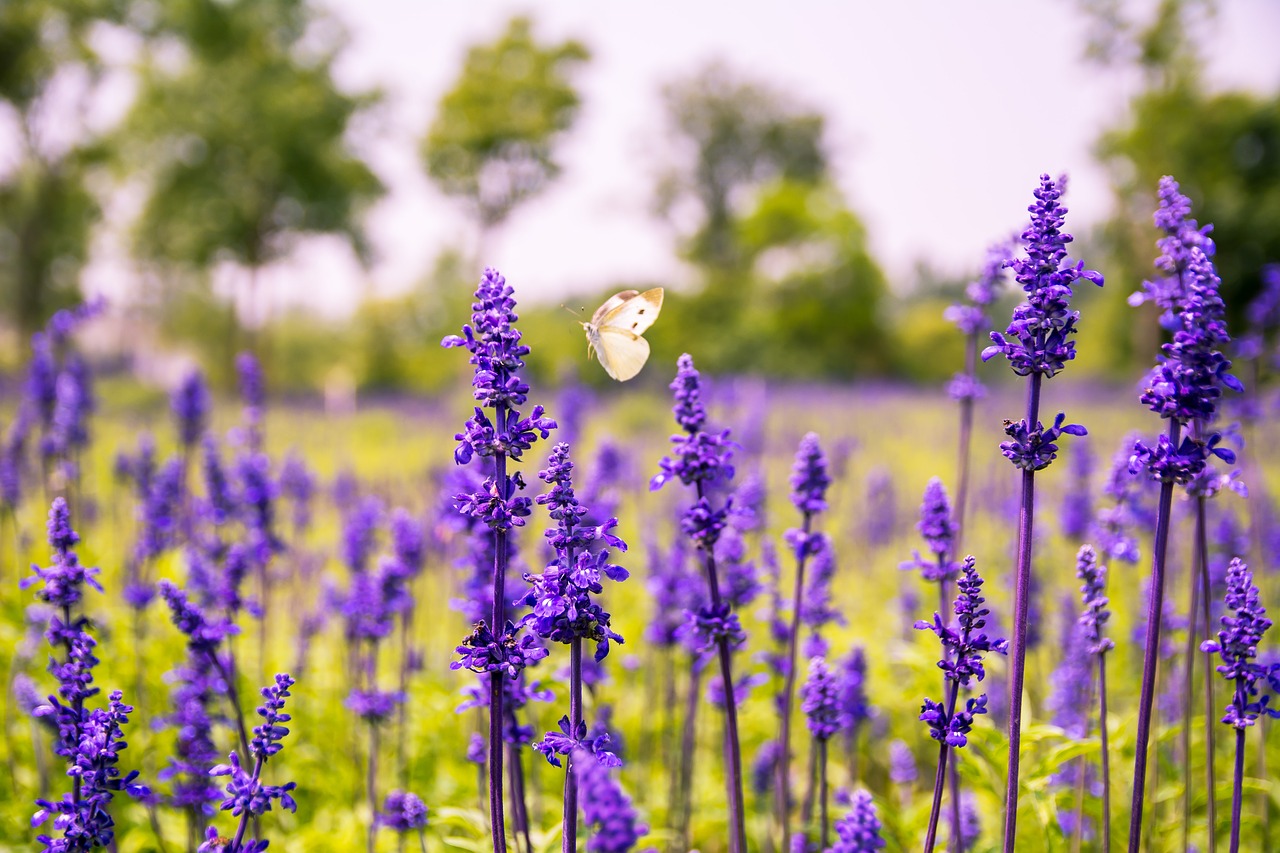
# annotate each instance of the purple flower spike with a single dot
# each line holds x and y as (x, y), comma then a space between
(190, 406)
(699, 456)
(1043, 325)
(820, 700)
(403, 811)
(809, 478)
(1237, 645)
(859, 830)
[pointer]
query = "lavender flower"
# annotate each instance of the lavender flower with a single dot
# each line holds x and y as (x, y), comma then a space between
(247, 797)
(939, 532)
(1112, 529)
(403, 811)
(1237, 645)
(298, 484)
(606, 809)
(360, 532)
(1038, 343)
(1077, 502)
(253, 393)
(820, 700)
(90, 740)
(859, 830)
(190, 405)
(1093, 592)
(880, 519)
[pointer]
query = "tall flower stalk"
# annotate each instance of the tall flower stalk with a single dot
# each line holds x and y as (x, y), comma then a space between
(809, 483)
(1038, 344)
(1096, 614)
(940, 532)
(564, 612)
(963, 646)
(700, 459)
(1183, 388)
(496, 352)
(971, 319)
(821, 705)
(1237, 645)
(89, 739)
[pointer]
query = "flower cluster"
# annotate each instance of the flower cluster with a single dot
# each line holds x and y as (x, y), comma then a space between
(1094, 595)
(971, 319)
(1043, 325)
(496, 352)
(85, 820)
(939, 531)
(1112, 527)
(481, 651)
(606, 808)
(89, 739)
(963, 648)
(190, 404)
(952, 730)
(851, 680)
(403, 811)
(247, 797)
(698, 456)
(809, 477)
(567, 741)
(1237, 645)
(859, 830)
(560, 596)
(1033, 449)
(820, 700)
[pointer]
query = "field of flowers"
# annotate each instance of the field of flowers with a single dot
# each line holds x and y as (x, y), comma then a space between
(801, 538)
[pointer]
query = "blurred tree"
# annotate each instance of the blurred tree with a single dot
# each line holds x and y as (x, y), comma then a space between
(241, 135)
(492, 143)
(729, 137)
(49, 72)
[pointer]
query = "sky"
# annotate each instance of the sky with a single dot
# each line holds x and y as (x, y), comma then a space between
(941, 116)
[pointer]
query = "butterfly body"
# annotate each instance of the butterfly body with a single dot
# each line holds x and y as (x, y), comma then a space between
(614, 332)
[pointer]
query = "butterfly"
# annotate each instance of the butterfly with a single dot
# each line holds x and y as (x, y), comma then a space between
(615, 329)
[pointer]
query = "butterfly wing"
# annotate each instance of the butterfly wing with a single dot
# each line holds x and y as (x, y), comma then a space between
(633, 312)
(622, 353)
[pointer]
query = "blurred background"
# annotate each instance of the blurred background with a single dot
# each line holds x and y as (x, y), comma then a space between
(323, 182)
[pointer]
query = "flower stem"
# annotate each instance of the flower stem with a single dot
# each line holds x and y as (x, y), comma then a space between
(939, 778)
(1151, 653)
(953, 771)
(570, 832)
(1026, 518)
(497, 820)
(782, 790)
(733, 750)
(822, 793)
(1202, 561)
(966, 434)
(1237, 790)
(1106, 758)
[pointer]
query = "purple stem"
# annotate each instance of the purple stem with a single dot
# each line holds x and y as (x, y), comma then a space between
(733, 750)
(953, 771)
(940, 777)
(822, 793)
(1237, 791)
(782, 790)
(1151, 653)
(570, 832)
(1106, 759)
(1202, 561)
(1019, 640)
(497, 820)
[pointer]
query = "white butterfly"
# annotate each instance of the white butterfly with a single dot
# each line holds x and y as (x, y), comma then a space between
(615, 329)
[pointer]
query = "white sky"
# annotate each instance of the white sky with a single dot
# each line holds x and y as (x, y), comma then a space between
(941, 116)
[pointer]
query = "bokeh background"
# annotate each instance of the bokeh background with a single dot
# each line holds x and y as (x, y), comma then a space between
(322, 182)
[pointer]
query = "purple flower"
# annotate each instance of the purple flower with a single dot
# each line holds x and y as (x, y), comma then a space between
(1077, 501)
(902, 764)
(1033, 449)
(63, 582)
(258, 493)
(158, 529)
(1093, 575)
(851, 686)
(374, 706)
(1112, 529)
(939, 531)
(880, 519)
(566, 741)
(820, 700)
(481, 651)
(1042, 326)
(298, 484)
(561, 595)
(606, 809)
(698, 456)
(403, 811)
(859, 830)
(407, 541)
(360, 533)
(190, 405)
(809, 478)
(1237, 645)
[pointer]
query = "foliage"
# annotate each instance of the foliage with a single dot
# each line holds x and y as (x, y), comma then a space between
(241, 135)
(492, 143)
(46, 208)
